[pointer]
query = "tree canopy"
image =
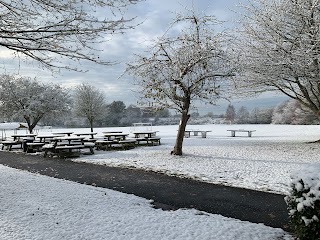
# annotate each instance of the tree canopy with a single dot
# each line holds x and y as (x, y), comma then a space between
(278, 49)
(89, 102)
(184, 67)
(29, 99)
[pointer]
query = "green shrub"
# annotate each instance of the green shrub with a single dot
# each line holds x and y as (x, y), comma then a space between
(304, 203)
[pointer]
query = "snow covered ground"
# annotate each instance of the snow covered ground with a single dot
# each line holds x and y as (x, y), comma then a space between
(263, 162)
(39, 207)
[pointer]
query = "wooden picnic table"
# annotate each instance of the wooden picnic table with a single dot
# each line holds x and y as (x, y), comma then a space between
(22, 139)
(86, 134)
(23, 136)
(145, 134)
(69, 139)
(115, 136)
(43, 138)
(68, 146)
(68, 133)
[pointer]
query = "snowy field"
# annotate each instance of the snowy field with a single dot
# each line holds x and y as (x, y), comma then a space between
(263, 162)
(39, 207)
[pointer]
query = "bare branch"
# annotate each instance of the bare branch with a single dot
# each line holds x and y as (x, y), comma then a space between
(45, 30)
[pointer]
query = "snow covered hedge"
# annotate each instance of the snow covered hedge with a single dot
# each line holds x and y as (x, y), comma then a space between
(304, 202)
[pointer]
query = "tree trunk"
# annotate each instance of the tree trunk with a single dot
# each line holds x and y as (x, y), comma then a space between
(30, 126)
(91, 125)
(177, 150)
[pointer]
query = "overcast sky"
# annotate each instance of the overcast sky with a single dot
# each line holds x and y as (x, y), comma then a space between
(156, 16)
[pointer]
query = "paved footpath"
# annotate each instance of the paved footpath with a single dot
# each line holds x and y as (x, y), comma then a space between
(168, 193)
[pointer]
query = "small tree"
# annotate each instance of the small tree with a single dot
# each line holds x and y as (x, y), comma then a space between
(89, 103)
(183, 69)
(22, 97)
(243, 115)
(230, 113)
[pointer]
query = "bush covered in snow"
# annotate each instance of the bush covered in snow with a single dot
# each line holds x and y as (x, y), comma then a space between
(304, 202)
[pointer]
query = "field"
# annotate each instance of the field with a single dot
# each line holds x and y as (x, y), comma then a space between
(263, 162)
(40, 207)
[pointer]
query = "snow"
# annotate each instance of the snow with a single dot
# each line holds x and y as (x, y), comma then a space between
(38, 207)
(262, 162)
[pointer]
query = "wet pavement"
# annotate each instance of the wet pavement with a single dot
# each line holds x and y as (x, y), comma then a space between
(167, 192)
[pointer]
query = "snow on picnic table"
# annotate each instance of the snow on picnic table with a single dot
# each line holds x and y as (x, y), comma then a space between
(262, 162)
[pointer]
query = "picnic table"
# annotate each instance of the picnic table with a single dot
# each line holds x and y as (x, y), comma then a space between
(233, 132)
(115, 136)
(23, 136)
(68, 146)
(86, 134)
(47, 138)
(22, 139)
(115, 139)
(147, 136)
(68, 133)
(10, 143)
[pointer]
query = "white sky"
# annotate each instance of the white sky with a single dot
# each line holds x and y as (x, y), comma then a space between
(156, 16)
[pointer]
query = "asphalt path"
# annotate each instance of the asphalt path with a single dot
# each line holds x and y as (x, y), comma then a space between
(167, 192)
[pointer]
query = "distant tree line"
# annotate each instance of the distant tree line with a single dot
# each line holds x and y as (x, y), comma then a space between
(33, 102)
(288, 112)
(115, 114)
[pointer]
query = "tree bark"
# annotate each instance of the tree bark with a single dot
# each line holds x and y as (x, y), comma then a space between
(91, 125)
(177, 150)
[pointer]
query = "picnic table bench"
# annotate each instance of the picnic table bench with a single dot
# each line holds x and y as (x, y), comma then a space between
(67, 146)
(147, 136)
(91, 134)
(233, 132)
(34, 146)
(103, 144)
(111, 144)
(10, 143)
(68, 150)
(127, 144)
(149, 140)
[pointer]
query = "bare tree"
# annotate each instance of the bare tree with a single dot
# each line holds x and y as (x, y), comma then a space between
(22, 97)
(230, 114)
(183, 69)
(243, 115)
(89, 103)
(279, 49)
(46, 30)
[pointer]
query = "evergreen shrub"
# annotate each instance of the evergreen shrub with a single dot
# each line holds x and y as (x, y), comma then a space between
(304, 203)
